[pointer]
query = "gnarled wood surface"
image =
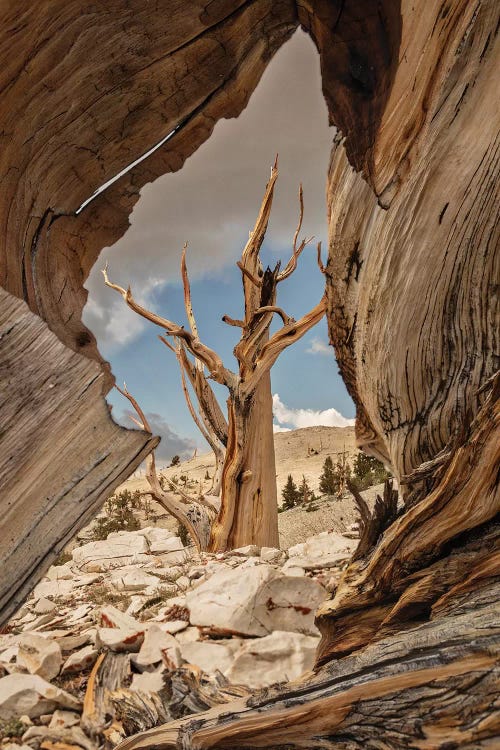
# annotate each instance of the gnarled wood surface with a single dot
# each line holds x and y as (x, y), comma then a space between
(60, 451)
(410, 637)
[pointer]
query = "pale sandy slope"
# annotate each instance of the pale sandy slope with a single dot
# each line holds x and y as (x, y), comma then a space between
(298, 452)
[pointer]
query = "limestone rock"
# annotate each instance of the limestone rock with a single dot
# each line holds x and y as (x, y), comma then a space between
(33, 696)
(133, 580)
(158, 645)
(111, 553)
(39, 655)
(227, 601)
(210, 656)
(44, 607)
(120, 639)
(320, 551)
(63, 719)
(80, 660)
(255, 601)
(148, 682)
(54, 589)
(278, 657)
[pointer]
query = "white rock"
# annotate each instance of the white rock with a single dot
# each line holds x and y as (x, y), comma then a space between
(120, 639)
(58, 735)
(250, 550)
(59, 573)
(80, 660)
(44, 607)
(172, 551)
(227, 601)
(53, 589)
(255, 601)
(188, 635)
(275, 658)
(156, 646)
(63, 719)
(148, 682)
(271, 554)
(33, 696)
(133, 581)
(111, 617)
(174, 626)
(293, 570)
(39, 655)
(183, 583)
(320, 551)
(209, 656)
(111, 553)
(291, 604)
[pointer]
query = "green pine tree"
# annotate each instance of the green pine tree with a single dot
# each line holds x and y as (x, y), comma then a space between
(290, 494)
(304, 492)
(328, 481)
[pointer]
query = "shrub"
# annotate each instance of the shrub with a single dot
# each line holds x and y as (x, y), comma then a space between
(368, 471)
(175, 461)
(119, 516)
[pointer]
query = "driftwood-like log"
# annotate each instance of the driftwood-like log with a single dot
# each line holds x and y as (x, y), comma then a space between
(52, 414)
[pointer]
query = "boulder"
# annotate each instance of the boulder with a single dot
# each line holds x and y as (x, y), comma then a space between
(133, 580)
(32, 695)
(80, 660)
(114, 552)
(207, 655)
(53, 589)
(226, 601)
(278, 657)
(323, 550)
(120, 639)
(290, 604)
(58, 737)
(39, 655)
(255, 601)
(157, 645)
(148, 682)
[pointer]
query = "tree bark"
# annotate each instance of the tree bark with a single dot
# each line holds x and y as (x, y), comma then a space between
(249, 511)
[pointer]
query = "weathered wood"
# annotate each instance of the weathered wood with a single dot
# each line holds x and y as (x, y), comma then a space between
(61, 454)
(405, 691)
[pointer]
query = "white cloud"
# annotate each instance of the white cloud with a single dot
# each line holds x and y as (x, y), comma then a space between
(279, 428)
(107, 314)
(318, 346)
(171, 442)
(296, 418)
(213, 201)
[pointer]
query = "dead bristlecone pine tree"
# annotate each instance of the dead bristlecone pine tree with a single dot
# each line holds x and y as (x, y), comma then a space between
(246, 510)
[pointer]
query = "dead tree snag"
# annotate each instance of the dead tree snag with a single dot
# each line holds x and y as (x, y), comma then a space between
(244, 444)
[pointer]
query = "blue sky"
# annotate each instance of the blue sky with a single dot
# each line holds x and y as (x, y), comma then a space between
(213, 203)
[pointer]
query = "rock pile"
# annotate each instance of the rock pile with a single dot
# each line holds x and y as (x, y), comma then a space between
(134, 610)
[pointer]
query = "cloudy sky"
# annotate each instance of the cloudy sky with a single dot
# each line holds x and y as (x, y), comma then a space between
(212, 203)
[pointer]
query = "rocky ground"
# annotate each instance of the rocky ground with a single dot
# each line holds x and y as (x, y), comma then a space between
(138, 617)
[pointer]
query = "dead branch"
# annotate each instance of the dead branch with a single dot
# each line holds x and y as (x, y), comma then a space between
(278, 310)
(204, 353)
(285, 337)
(257, 282)
(233, 322)
(196, 514)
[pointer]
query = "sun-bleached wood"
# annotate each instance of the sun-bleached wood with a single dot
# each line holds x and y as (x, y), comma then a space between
(52, 415)
(248, 509)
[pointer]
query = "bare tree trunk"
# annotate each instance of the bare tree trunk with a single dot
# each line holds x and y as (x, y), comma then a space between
(249, 496)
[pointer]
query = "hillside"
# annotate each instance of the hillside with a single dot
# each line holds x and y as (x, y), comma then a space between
(298, 452)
